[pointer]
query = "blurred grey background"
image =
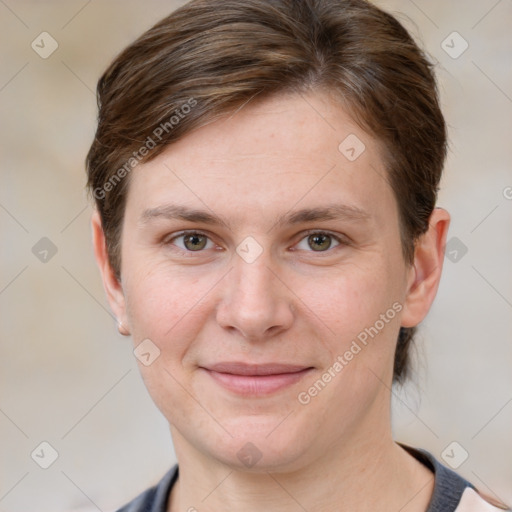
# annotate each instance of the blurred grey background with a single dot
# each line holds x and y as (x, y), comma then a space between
(67, 377)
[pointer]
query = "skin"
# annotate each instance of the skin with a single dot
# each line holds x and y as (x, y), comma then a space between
(293, 304)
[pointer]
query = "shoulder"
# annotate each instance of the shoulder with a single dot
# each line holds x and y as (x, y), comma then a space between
(472, 501)
(452, 493)
(155, 498)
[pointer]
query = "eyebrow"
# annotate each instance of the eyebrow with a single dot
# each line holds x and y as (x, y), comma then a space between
(329, 212)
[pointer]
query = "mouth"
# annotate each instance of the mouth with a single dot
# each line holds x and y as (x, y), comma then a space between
(256, 379)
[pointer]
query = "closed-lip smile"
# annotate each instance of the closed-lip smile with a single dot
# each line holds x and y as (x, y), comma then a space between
(251, 379)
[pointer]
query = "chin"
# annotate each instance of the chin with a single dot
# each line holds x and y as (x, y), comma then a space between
(261, 444)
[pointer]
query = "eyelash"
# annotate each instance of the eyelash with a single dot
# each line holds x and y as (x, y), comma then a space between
(341, 241)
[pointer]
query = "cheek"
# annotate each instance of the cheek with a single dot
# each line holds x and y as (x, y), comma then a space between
(352, 299)
(361, 310)
(167, 307)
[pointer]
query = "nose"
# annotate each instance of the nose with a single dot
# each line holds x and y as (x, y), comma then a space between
(255, 302)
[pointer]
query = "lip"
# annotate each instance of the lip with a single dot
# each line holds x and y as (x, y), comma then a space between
(256, 379)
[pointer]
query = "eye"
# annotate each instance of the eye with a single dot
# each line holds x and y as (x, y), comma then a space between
(319, 241)
(195, 241)
(190, 241)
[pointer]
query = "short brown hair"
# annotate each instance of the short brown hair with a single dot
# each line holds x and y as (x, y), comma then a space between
(214, 56)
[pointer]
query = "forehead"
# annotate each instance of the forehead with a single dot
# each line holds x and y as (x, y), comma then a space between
(275, 128)
(283, 151)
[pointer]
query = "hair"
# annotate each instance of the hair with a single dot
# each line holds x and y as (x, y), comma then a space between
(209, 58)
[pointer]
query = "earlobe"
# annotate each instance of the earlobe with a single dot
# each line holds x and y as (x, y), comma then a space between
(426, 272)
(111, 284)
(122, 329)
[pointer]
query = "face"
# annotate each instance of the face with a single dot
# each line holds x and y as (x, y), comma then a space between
(264, 262)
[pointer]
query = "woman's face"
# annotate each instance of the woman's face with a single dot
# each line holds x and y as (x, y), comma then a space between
(295, 259)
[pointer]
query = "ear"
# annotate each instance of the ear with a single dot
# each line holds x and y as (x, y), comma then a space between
(425, 273)
(113, 287)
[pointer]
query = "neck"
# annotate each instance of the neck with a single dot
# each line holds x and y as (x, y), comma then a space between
(368, 472)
